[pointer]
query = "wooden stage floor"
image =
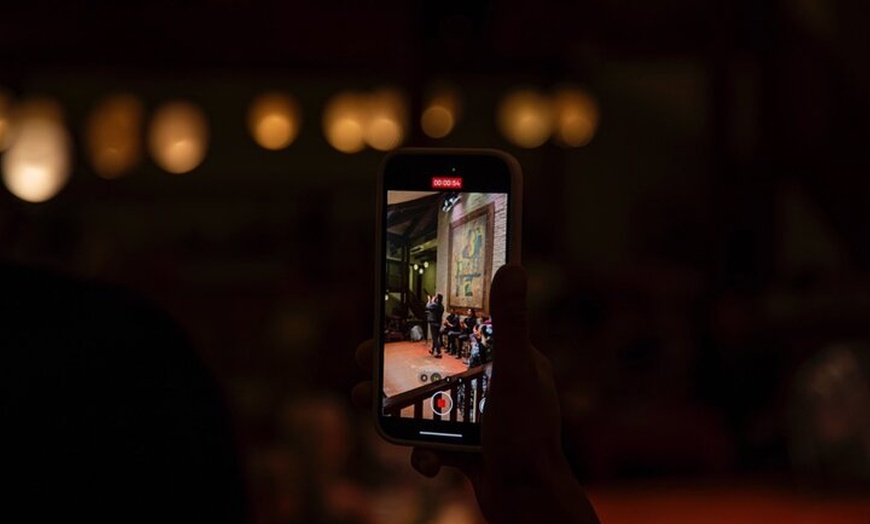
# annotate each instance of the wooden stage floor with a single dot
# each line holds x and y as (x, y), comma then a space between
(405, 362)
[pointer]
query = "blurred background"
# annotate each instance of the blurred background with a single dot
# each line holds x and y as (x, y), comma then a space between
(696, 222)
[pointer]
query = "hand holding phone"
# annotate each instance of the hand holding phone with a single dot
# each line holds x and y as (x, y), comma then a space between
(447, 221)
(521, 474)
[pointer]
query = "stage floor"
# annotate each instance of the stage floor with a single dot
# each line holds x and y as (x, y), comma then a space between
(406, 362)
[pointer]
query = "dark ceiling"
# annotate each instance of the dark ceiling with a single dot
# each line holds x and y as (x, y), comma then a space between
(414, 219)
(322, 35)
(808, 58)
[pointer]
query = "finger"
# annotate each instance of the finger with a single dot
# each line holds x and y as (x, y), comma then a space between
(361, 395)
(426, 462)
(510, 323)
(365, 354)
(508, 304)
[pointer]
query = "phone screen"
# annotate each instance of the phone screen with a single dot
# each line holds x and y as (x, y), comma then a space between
(446, 229)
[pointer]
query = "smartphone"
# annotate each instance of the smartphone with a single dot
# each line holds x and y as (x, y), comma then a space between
(447, 219)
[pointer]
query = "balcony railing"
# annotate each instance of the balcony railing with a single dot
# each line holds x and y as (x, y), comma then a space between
(466, 389)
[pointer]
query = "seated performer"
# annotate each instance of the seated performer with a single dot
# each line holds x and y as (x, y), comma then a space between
(452, 328)
(468, 326)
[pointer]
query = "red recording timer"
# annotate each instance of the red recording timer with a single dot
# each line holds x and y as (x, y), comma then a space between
(446, 182)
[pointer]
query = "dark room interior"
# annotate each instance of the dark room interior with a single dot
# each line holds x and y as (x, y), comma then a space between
(696, 230)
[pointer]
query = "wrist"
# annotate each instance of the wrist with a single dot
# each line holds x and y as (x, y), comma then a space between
(548, 493)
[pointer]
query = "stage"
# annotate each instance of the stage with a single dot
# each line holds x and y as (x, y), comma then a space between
(405, 363)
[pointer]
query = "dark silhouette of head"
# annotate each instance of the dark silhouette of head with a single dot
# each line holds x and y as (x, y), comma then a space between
(108, 414)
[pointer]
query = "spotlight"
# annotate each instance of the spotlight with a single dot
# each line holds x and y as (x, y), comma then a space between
(449, 201)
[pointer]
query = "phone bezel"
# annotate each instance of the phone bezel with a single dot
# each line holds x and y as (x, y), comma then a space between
(504, 173)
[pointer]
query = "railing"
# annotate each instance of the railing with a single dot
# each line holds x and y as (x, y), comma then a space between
(469, 382)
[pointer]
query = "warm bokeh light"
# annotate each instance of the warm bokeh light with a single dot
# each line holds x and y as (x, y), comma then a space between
(36, 165)
(441, 114)
(525, 118)
(113, 135)
(383, 133)
(5, 119)
(274, 120)
(386, 119)
(437, 121)
(344, 121)
(576, 117)
(178, 137)
(379, 119)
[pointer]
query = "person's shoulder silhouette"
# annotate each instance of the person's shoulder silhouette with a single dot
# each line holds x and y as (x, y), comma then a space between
(107, 412)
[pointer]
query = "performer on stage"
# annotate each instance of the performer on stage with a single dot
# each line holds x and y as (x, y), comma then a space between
(434, 313)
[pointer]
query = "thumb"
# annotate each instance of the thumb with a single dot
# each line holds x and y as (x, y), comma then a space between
(510, 321)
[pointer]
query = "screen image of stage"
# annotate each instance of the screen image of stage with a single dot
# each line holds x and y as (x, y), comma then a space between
(442, 250)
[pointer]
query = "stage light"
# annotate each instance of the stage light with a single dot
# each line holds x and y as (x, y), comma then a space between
(441, 114)
(426, 264)
(386, 117)
(421, 270)
(113, 135)
(525, 118)
(416, 267)
(344, 122)
(576, 117)
(437, 121)
(178, 137)
(449, 201)
(274, 120)
(383, 133)
(36, 165)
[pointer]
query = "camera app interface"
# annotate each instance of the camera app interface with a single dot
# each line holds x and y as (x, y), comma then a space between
(442, 250)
